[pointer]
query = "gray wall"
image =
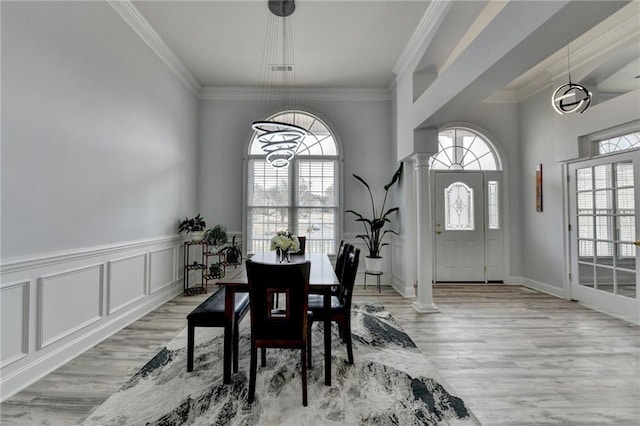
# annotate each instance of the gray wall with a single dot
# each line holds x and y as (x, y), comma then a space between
(548, 138)
(99, 137)
(363, 127)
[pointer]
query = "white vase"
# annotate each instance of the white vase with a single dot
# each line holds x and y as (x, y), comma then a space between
(373, 264)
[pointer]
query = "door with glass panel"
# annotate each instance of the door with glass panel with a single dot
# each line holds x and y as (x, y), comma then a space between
(604, 233)
(468, 235)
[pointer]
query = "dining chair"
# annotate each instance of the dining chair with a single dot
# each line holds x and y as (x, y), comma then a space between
(340, 311)
(339, 267)
(284, 327)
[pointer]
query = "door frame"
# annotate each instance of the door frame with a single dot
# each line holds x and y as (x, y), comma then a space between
(610, 303)
(504, 217)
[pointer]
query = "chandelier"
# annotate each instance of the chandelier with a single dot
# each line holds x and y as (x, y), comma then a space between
(571, 97)
(279, 140)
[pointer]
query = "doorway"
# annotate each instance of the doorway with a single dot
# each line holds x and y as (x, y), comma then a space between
(469, 236)
(604, 236)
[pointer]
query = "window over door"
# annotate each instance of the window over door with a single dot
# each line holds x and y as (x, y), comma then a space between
(303, 197)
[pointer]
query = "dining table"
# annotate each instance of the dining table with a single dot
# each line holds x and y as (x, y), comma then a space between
(322, 278)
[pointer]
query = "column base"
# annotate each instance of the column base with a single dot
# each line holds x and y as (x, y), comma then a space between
(425, 309)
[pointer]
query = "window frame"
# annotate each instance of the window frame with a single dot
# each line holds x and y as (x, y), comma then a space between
(292, 170)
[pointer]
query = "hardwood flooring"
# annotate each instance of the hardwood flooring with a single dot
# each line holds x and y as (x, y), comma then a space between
(515, 356)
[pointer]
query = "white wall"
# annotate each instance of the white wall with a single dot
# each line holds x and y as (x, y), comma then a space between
(99, 145)
(549, 138)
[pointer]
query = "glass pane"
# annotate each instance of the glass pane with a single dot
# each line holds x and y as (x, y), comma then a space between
(602, 176)
(604, 253)
(263, 223)
(619, 143)
(604, 279)
(318, 225)
(586, 251)
(603, 228)
(462, 149)
(585, 202)
(624, 174)
(585, 227)
(625, 201)
(626, 256)
(585, 274)
(268, 186)
(494, 213)
(584, 179)
(626, 283)
(627, 228)
(604, 204)
(459, 209)
(316, 183)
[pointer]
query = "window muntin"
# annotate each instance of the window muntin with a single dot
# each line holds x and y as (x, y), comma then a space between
(463, 149)
(302, 197)
(619, 143)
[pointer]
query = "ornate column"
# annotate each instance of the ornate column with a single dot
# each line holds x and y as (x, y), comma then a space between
(424, 304)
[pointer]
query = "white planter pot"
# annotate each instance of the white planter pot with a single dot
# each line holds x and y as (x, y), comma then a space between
(373, 264)
(197, 235)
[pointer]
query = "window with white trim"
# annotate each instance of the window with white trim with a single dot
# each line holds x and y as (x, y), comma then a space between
(302, 197)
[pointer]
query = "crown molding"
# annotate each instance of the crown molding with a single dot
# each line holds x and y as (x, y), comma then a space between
(141, 26)
(301, 93)
(425, 30)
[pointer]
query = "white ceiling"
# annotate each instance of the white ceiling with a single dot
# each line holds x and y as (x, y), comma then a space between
(357, 43)
(337, 43)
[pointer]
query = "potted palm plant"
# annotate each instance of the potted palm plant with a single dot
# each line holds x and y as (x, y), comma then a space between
(194, 226)
(373, 225)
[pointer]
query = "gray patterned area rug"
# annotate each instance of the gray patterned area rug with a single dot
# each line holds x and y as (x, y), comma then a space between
(390, 383)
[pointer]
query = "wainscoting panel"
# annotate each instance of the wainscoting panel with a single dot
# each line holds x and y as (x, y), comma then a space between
(126, 281)
(14, 305)
(161, 268)
(68, 301)
(57, 305)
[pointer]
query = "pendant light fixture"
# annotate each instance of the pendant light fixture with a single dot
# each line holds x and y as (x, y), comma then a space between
(279, 140)
(571, 97)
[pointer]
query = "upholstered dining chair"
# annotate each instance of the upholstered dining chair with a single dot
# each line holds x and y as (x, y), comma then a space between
(340, 304)
(284, 327)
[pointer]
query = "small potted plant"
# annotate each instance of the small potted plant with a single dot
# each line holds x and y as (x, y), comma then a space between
(216, 236)
(233, 252)
(373, 225)
(194, 226)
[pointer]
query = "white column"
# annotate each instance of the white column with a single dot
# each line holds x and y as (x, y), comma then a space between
(424, 304)
(409, 229)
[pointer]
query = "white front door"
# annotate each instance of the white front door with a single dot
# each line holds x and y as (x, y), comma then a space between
(604, 234)
(469, 238)
(459, 219)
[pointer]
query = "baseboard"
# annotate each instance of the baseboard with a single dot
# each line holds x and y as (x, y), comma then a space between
(544, 288)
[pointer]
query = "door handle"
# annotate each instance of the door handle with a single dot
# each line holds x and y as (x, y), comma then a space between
(636, 243)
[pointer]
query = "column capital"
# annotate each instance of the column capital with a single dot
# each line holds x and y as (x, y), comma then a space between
(421, 159)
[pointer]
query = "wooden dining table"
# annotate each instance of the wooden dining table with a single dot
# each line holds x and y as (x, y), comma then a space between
(322, 278)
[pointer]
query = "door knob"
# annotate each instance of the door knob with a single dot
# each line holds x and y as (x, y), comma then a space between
(440, 232)
(636, 243)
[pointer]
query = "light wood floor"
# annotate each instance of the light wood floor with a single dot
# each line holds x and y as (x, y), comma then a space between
(515, 356)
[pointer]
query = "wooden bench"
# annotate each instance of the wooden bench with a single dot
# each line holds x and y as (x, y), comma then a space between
(210, 313)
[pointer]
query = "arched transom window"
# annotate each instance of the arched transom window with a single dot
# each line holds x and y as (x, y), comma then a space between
(464, 149)
(302, 197)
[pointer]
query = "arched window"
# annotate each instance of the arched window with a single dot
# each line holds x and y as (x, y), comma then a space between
(302, 197)
(464, 149)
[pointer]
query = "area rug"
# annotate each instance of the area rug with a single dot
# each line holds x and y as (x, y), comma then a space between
(390, 383)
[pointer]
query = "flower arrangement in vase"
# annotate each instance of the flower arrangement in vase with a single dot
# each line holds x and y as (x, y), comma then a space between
(283, 243)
